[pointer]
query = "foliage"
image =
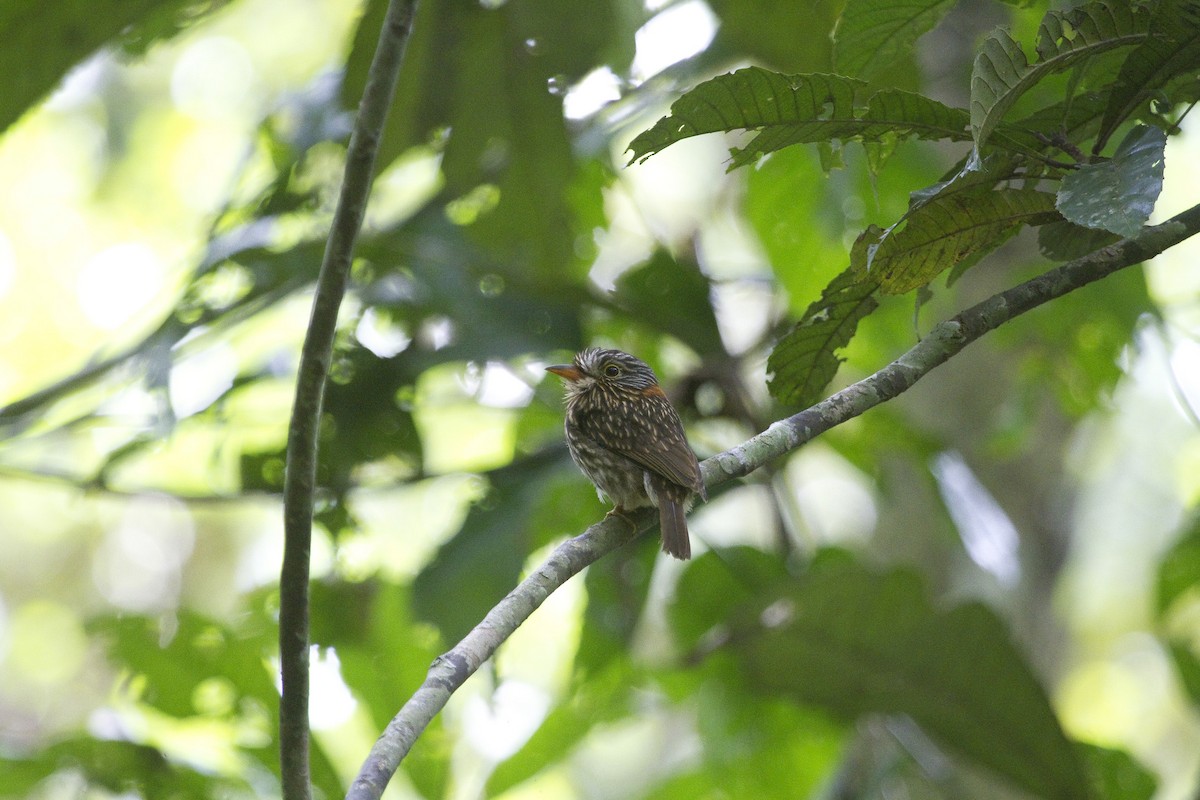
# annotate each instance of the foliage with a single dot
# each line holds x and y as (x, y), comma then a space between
(857, 643)
(777, 661)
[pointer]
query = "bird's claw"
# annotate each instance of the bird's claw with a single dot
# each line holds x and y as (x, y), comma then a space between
(620, 512)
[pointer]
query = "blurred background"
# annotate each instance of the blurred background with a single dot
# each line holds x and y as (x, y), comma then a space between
(161, 224)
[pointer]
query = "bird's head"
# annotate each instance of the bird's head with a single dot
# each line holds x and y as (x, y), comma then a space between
(609, 371)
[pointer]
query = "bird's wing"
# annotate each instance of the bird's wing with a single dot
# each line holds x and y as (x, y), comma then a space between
(651, 434)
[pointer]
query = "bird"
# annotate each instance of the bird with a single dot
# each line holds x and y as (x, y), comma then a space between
(628, 440)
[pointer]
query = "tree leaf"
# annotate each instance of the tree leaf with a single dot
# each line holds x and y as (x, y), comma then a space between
(872, 36)
(1076, 119)
(1064, 241)
(43, 41)
(1179, 571)
(750, 98)
(890, 115)
(794, 109)
(721, 588)
(370, 423)
(946, 230)
(672, 297)
(482, 562)
(560, 38)
(1187, 667)
(1075, 353)
(384, 654)
(1116, 775)
(792, 37)
(1002, 72)
(804, 361)
(476, 78)
(118, 767)
(1179, 583)
(798, 221)
(199, 650)
(617, 587)
(1117, 195)
(854, 642)
(1172, 49)
(603, 698)
(762, 747)
(429, 267)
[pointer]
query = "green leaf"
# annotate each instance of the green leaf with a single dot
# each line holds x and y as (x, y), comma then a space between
(872, 36)
(1172, 49)
(42, 41)
(370, 424)
(1064, 241)
(720, 587)
(172, 664)
(1117, 195)
(384, 653)
(429, 268)
(948, 229)
(1075, 353)
(1116, 775)
(761, 747)
(799, 222)
(1002, 72)
(617, 587)
(782, 35)
(795, 109)
(362, 413)
(671, 297)
(805, 361)
(482, 562)
(541, 39)
(476, 79)
(1179, 571)
(603, 698)
(428, 764)
(855, 642)
(195, 651)
(384, 656)
(117, 767)
(750, 98)
(890, 115)
(1187, 667)
(1075, 120)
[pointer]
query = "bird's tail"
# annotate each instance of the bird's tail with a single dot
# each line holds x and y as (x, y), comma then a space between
(671, 519)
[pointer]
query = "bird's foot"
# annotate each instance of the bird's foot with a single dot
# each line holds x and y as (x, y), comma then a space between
(621, 513)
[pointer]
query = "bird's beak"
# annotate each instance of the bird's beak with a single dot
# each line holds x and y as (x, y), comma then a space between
(568, 371)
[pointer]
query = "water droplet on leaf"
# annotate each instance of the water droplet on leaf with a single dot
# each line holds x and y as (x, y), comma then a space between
(491, 285)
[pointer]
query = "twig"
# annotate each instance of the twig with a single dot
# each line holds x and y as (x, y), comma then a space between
(301, 475)
(450, 670)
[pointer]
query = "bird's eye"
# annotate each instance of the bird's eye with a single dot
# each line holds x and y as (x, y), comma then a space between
(612, 370)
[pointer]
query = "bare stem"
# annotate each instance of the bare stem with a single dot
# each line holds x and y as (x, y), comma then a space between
(300, 481)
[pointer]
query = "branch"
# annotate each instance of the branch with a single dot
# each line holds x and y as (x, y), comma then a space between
(303, 429)
(948, 338)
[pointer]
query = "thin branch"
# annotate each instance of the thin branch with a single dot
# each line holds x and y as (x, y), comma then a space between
(303, 429)
(450, 670)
